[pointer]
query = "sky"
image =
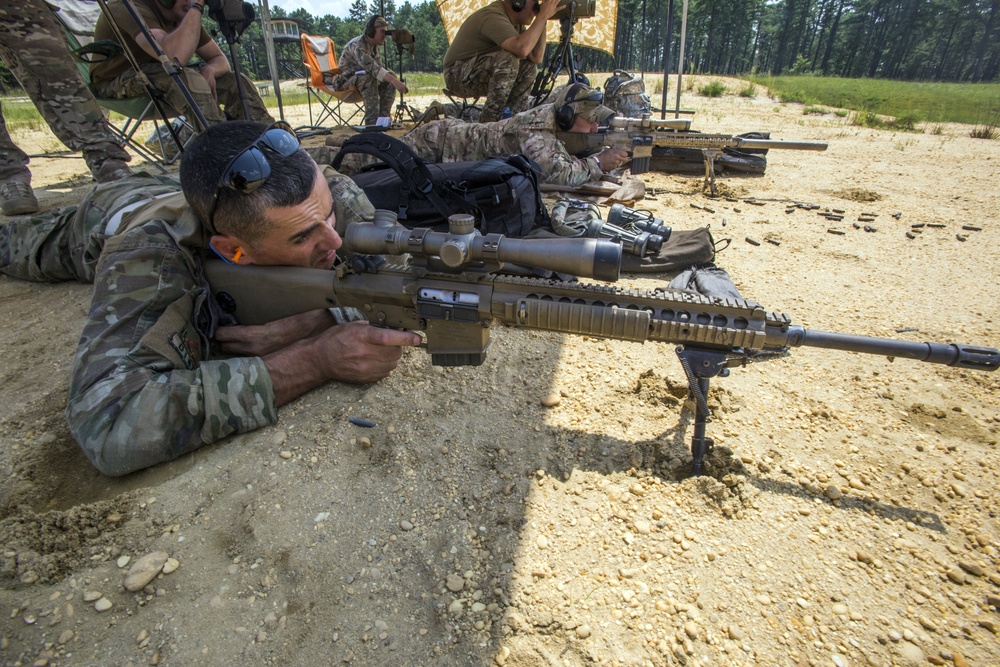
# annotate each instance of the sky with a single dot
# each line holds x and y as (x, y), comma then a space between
(338, 8)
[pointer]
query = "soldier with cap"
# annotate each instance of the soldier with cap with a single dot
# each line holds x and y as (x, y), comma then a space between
(32, 46)
(575, 108)
(361, 67)
(495, 54)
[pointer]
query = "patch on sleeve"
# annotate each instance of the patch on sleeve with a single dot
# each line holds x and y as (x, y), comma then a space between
(187, 348)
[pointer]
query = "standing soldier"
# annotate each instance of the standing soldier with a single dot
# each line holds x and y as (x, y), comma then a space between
(361, 68)
(34, 49)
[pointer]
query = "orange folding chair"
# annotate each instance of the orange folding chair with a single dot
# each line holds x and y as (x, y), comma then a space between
(321, 62)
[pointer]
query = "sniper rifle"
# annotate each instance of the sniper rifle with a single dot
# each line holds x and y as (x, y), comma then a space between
(641, 137)
(449, 288)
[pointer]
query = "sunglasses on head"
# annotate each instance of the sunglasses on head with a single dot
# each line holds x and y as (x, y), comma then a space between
(250, 169)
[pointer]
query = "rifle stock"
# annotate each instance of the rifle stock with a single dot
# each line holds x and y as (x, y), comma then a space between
(456, 306)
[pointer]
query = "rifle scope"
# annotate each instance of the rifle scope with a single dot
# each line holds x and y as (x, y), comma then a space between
(463, 247)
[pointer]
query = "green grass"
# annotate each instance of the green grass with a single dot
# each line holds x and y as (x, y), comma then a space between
(971, 103)
(712, 89)
(19, 112)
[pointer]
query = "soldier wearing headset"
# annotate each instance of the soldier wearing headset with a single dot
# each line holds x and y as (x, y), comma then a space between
(495, 54)
(361, 67)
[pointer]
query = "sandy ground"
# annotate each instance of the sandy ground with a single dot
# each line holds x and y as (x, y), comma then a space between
(850, 517)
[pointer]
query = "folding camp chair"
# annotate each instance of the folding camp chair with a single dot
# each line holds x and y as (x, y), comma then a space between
(78, 18)
(321, 62)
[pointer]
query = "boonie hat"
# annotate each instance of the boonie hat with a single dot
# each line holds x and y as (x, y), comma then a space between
(585, 101)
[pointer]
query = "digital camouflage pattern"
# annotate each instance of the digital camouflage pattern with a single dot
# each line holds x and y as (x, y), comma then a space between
(530, 133)
(145, 388)
(501, 76)
(34, 49)
(378, 94)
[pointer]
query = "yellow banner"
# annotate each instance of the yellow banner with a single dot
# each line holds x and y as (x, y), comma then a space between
(597, 32)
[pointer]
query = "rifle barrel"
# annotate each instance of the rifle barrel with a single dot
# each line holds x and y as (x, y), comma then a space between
(790, 145)
(963, 356)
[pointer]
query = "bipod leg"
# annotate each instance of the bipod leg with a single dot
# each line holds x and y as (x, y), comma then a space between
(699, 366)
(709, 157)
(701, 444)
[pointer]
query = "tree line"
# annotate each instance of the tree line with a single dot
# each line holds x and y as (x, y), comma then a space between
(914, 40)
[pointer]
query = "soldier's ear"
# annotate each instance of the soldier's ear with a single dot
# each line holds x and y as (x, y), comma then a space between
(228, 248)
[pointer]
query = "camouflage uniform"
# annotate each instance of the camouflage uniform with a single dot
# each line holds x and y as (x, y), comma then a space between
(33, 47)
(114, 77)
(531, 133)
(501, 76)
(379, 94)
(144, 386)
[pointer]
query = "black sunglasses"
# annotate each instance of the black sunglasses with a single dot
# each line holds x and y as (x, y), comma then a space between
(250, 169)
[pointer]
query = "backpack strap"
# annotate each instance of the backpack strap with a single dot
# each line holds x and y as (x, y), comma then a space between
(411, 170)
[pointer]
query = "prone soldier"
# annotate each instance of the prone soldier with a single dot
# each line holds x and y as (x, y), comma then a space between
(148, 384)
(576, 108)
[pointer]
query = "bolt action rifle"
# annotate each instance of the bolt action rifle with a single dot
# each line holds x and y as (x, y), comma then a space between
(450, 289)
(642, 137)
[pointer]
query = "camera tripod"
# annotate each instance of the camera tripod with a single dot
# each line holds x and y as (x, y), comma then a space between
(562, 57)
(404, 40)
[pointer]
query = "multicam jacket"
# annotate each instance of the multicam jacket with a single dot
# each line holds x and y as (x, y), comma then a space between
(530, 133)
(145, 386)
(359, 55)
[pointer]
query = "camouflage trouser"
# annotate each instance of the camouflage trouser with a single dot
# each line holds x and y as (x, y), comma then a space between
(501, 76)
(378, 95)
(65, 244)
(128, 84)
(33, 47)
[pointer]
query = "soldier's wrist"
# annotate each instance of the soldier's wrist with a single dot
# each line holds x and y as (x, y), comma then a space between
(197, 5)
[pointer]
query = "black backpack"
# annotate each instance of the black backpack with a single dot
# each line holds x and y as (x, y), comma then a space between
(501, 193)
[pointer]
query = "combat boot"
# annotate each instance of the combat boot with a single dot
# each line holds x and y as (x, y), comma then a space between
(16, 198)
(112, 170)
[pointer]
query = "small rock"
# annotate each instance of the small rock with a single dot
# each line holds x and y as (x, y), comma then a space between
(911, 653)
(405, 525)
(103, 604)
(145, 570)
(92, 596)
(583, 631)
(454, 583)
(551, 400)
(285, 454)
(833, 492)
(171, 565)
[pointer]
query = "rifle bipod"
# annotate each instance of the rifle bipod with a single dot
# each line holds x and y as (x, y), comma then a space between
(699, 367)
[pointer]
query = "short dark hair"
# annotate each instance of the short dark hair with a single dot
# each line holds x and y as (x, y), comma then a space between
(238, 213)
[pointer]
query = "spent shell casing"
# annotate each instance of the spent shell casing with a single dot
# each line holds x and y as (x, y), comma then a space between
(961, 237)
(911, 235)
(752, 241)
(972, 228)
(773, 241)
(869, 228)
(936, 225)
(838, 232)
(856, 225)
(917, 225)
(357, 421)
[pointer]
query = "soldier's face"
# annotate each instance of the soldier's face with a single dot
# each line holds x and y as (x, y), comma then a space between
(380, 35)
(301, 235)
(582, 125)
